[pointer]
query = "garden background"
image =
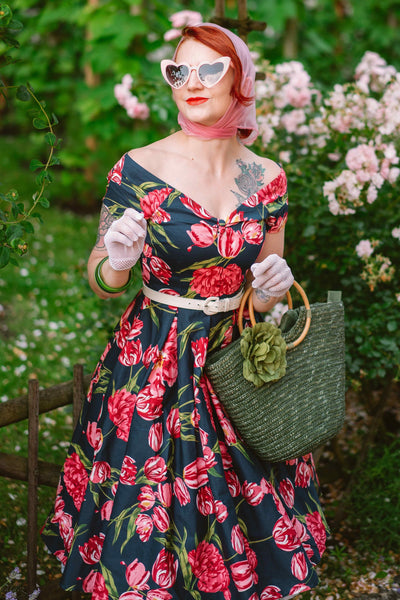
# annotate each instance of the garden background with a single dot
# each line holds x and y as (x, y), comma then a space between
(80, 85)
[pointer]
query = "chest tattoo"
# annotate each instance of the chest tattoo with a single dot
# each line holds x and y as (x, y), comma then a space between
(250, 180)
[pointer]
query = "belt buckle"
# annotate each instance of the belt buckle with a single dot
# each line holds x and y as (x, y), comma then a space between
(211, 305)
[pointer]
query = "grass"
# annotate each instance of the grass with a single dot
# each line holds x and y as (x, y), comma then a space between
(50, 320)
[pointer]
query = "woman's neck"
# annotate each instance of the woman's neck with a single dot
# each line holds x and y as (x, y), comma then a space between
(214, 155)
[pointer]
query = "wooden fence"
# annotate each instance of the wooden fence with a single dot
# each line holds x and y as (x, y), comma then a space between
(37, 472)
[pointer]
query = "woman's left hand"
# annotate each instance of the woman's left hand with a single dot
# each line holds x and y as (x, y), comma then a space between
(272, 275)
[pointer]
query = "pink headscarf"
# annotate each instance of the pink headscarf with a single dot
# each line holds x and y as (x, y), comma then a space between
(238, 116)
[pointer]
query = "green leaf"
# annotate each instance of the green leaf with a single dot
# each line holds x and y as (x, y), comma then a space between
(35, 164)
(50, 138)
(391, 326)
(14, 232)
(39, 123)
(44, 202)
(27, 226)
(4, 256)
(23, 94)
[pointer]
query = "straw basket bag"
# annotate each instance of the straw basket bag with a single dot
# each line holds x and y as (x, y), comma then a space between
(285, 396)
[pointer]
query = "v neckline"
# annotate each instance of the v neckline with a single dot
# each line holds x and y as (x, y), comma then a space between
(200, 206)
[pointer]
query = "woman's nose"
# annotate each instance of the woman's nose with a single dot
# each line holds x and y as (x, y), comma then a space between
(194, 81)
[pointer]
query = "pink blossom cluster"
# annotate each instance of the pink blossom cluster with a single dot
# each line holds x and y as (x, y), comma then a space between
(286, 100)
(364, 248)
(377, 268)
(373, 73)
(369, 166)
(179, 20)
(134, 108)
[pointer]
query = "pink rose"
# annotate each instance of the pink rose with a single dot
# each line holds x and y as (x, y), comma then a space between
(120, 409)
(208, 566)
(217, 281)
(75, 479)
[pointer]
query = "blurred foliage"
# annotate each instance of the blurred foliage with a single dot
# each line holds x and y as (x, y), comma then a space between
(74, 52)
(16, 216)
(377, 516)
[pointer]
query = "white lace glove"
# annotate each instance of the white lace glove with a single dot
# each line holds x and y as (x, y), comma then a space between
(125, 240)
(273, 276)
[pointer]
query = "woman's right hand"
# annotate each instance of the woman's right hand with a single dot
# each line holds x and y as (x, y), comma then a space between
(124, 240)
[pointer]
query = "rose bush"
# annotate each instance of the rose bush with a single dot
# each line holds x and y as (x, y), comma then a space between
(340, 150)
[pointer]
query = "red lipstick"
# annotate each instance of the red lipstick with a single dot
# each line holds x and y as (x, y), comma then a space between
(196, 100)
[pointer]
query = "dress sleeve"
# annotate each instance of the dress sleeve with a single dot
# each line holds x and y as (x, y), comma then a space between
(121, 192)
(275, 201)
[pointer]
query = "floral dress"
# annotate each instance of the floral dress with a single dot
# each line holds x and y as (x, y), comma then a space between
(159, 498)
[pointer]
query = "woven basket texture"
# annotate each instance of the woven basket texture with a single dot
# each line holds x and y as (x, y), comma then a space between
(304, 409)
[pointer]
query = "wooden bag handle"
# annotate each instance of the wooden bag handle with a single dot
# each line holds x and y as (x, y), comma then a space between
(248, 299)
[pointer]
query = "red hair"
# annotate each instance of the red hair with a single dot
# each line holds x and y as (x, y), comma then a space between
(218, 41)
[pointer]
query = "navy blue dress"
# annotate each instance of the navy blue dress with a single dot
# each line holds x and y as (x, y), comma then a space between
(159, 498)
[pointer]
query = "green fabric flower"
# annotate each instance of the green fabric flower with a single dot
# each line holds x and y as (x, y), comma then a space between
(264, 352)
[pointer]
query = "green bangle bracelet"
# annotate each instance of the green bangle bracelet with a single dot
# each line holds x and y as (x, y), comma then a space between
(102, 285)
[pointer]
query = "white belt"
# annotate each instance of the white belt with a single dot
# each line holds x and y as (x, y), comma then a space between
(210, 306)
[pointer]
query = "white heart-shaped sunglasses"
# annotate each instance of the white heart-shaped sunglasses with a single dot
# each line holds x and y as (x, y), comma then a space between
(208, 73)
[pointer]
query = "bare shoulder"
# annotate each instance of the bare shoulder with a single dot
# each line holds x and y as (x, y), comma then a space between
(270, 168)
(152, 156)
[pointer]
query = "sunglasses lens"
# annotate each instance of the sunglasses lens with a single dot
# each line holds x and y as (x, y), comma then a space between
(210, 74)
(177, 75)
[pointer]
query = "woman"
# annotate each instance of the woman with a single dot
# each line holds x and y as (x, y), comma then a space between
(159, 498)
